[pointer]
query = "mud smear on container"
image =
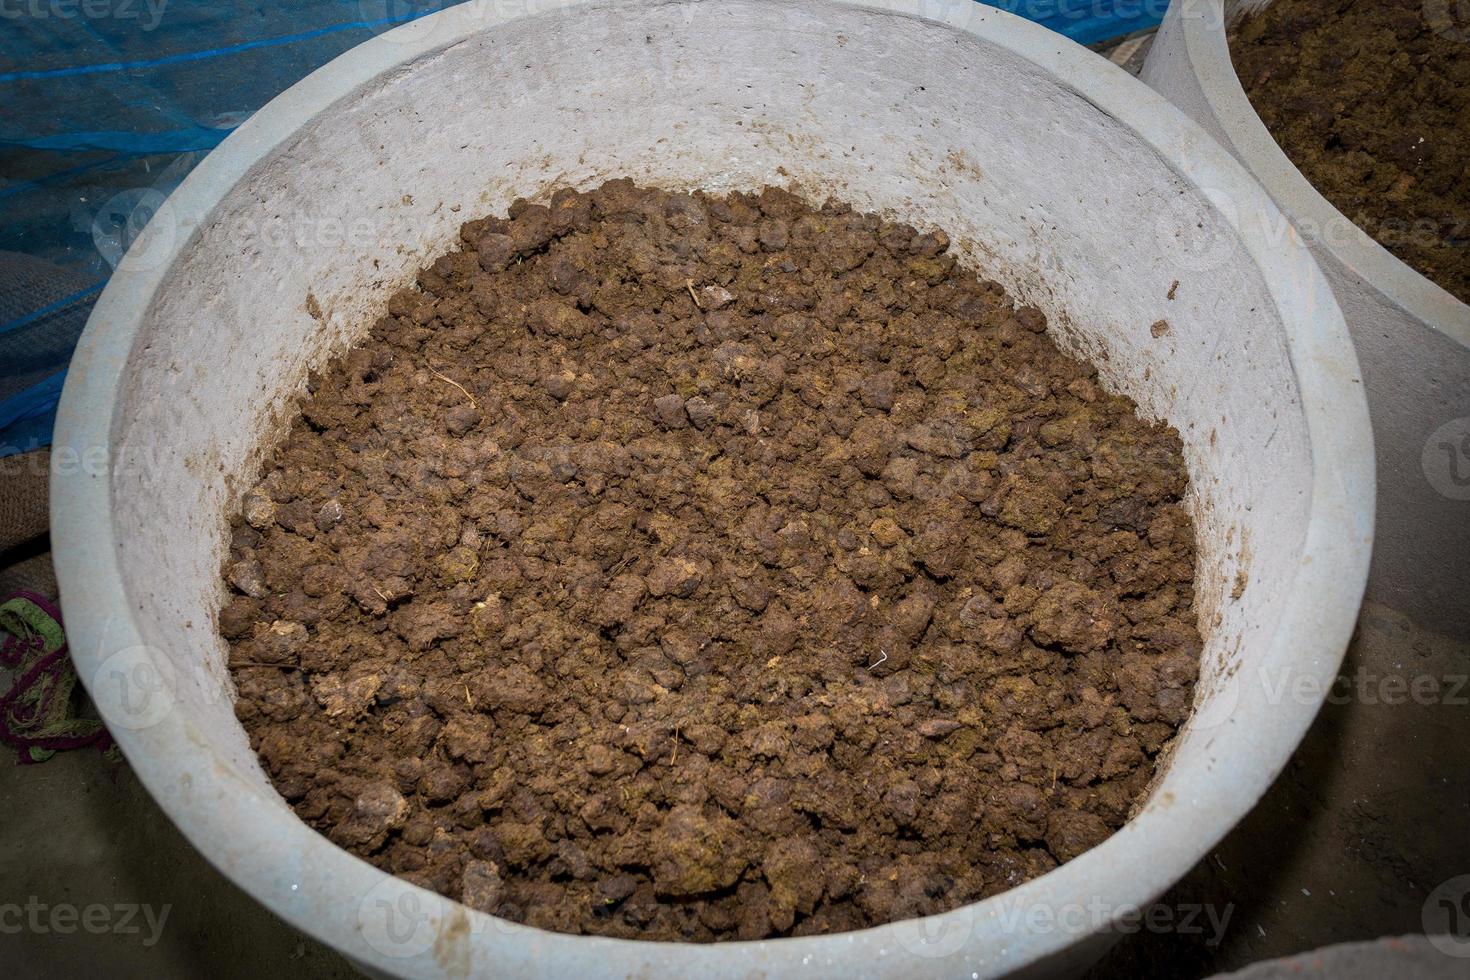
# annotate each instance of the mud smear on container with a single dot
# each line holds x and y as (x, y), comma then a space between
(683, 567)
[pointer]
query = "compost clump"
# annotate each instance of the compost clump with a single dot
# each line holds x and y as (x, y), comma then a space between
(1371, 100)
(694, 567)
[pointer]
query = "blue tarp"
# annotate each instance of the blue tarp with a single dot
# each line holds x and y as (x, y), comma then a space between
(105, 105)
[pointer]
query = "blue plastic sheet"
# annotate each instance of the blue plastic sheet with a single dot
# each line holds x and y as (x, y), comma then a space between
(102, 100)
(1089, 21)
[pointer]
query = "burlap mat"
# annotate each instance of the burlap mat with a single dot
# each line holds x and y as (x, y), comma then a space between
(23, 519)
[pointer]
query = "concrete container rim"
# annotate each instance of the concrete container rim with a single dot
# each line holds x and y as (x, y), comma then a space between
(1156, 848)
(1204, 24)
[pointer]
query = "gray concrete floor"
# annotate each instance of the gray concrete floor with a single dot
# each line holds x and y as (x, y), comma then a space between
(80, 831)
(1394, 958)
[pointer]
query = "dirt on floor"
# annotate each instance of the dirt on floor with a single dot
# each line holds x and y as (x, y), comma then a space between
(1371, 100)
(686, 567)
